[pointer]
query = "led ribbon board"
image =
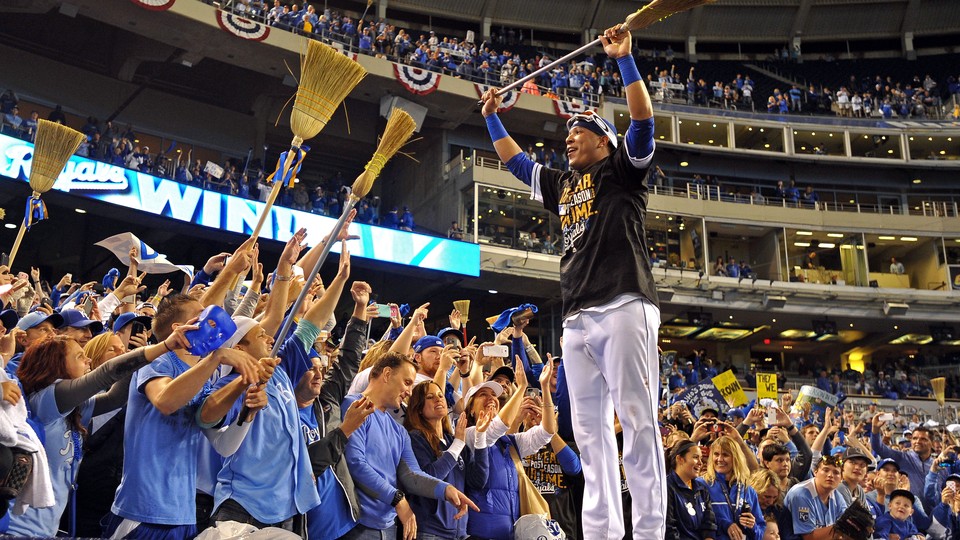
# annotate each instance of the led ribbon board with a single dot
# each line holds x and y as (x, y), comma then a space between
(190, 204)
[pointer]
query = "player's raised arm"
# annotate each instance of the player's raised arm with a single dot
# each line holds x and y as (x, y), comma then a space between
(504, 144)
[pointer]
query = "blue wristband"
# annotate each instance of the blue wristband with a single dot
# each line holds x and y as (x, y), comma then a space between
(628, 70)
(496, 129)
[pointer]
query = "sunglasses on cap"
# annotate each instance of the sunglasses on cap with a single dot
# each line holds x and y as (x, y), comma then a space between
(833, 461)
(595, 123)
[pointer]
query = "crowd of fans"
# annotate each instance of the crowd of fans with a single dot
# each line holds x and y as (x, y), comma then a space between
(792, 469)
(434, 434)
(857, 97)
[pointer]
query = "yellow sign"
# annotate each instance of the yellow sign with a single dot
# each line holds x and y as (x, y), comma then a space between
(766, 386)
(730, 388)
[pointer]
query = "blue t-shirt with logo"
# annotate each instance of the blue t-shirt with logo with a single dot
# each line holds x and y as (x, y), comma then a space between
(808, 511)
(159, 480)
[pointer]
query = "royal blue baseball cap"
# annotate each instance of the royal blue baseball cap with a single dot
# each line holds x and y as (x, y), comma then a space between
(39, 317)
(450, 331)
(126, 318)
(75, 318)
(426, 342)
(884, 462)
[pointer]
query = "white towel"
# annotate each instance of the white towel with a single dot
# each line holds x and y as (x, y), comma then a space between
(16, 432)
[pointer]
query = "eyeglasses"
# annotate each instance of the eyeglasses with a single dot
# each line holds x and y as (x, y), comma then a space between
(590, 117)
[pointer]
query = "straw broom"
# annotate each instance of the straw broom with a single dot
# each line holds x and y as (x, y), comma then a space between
(55, 143)
(326, 78)
(463, 306)
(939, 389)
(655, 11)
(400, 126)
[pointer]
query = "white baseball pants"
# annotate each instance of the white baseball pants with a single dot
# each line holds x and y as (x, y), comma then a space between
(610, 358)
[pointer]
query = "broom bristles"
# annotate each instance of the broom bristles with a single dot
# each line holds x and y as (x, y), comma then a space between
(658, 10)
(939, 388)
(400, 126)
(326, 77)
(54, 145)
(463, 306)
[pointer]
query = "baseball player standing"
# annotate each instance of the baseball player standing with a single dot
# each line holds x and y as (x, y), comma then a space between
(610, 309)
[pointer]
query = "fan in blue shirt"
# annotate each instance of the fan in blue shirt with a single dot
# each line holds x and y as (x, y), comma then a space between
(816, 504)
(381, 458)
(897, 522)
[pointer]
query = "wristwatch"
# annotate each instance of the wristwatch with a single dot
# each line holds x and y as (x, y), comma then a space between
(397, 497)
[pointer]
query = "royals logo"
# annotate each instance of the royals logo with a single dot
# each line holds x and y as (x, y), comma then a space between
(79, 174)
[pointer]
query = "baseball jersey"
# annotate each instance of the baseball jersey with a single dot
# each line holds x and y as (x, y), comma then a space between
(273, 489)
(602, 210)
(808, 511)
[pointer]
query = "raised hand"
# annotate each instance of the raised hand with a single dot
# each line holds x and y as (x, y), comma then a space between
(130, 286)
(545, 375)
(164, 289)
(420, 314)
(454, 319)
(614, 44)
(215, 263)
(360, 291)
(344, 270)
(291, 251)
(491, 102)
(483, 420)
(460, 431)
(521, 375)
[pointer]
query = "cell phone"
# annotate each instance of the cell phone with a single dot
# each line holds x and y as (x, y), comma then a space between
(952, 484)
(499, 351)
(771, 415)
(533, 392)
(87, 305)
(886, 417)
(137, 328)
(388, 311)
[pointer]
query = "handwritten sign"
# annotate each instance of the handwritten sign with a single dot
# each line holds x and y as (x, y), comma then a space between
(766, 386)
(730, 389)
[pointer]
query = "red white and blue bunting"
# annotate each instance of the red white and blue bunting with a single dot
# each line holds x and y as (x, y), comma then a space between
(509, 99)
(566, 109)
(416, 80)
(154, 5)
(240, 27)
(342, 50)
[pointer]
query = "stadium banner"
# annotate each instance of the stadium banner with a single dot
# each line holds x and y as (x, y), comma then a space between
(191, 204)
